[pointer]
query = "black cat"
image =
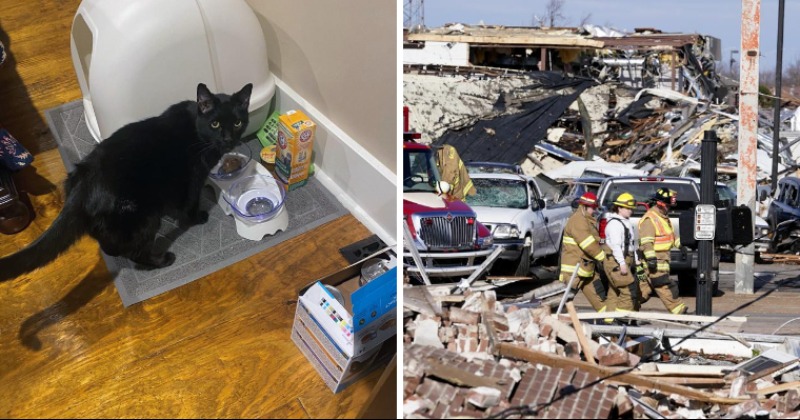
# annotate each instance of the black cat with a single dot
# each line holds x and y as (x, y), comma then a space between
(121, 190)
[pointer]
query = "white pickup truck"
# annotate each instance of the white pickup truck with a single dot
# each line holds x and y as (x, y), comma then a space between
(511, 206)
(683, 262)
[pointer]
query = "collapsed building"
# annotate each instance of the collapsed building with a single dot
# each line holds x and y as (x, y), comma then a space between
(542, 98)
(556, 99)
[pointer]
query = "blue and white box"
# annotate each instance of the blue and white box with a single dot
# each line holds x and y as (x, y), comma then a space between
(346, 340)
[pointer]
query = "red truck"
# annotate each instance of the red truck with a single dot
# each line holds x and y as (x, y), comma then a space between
(444, 231)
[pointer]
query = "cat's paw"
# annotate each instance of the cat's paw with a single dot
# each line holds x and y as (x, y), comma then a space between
(167, 259)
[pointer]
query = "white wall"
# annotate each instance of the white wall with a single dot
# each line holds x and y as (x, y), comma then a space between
(441, 53)
(340, 56)
(337, 60)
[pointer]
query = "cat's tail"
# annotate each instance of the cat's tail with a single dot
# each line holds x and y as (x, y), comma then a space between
(65, 230)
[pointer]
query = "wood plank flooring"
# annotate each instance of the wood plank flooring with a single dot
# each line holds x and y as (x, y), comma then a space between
(217, 347)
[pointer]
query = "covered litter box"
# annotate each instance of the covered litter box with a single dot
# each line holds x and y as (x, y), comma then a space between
(135, 59)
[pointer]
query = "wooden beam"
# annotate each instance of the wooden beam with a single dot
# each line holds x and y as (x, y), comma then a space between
(650, 316)
(778, 388)
(567, 333)
(533, 356)
(688, 331)
(587, 351)
(698, 382)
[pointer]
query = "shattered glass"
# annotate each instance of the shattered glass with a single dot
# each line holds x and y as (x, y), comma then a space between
(499, 193)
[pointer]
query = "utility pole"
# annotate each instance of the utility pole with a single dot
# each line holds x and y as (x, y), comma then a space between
(748, 128)
(776, 123)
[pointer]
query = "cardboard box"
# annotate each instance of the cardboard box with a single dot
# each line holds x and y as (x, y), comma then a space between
(345, 341)
(295, 148)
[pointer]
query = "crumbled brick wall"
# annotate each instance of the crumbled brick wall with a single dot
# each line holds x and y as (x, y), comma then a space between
(540, 387)
(561, 394)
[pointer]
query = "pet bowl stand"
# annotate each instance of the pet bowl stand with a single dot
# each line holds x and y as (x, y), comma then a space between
(254, 231)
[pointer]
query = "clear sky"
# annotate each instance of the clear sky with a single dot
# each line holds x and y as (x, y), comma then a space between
(719, 18)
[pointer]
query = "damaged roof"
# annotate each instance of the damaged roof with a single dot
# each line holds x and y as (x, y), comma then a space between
(550, 37)
(509, 138)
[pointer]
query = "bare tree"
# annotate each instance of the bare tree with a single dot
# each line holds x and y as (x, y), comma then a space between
(585, 19)
(791, 74)
(553, 11)
(554, 15)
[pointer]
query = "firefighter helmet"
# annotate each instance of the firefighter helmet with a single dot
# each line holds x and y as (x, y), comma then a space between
(588, 199)
(625, 200)
(666, 196)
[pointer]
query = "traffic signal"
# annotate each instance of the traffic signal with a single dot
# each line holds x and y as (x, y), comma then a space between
(742, 225)
(734, 226)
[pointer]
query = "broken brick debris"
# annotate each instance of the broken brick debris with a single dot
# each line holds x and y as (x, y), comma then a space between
(536, 370)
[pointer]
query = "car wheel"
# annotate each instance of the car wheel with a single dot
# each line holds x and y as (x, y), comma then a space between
(524, 264)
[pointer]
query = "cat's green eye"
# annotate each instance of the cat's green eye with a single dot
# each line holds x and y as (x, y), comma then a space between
(238, 124)
(214, 124)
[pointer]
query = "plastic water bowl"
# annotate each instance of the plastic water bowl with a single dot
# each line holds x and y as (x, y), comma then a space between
(255, 198)
(233, 163)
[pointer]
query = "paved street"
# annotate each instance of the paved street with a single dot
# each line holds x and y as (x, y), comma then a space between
(769, 306)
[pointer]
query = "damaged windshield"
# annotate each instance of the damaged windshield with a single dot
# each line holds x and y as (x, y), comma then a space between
(419, 171)
(499, 193)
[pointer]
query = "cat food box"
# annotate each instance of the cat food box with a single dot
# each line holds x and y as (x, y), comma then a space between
(295, 148)
(346, 329)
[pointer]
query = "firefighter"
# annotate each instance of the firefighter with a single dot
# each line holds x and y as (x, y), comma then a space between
(581, 246)
(656, 238)
(452, 170)
(621, 259)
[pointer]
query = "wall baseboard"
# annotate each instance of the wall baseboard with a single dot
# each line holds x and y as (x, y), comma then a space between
(364, 186)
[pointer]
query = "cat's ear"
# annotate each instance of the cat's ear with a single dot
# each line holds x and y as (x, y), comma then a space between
(242, 97)
(205, 99)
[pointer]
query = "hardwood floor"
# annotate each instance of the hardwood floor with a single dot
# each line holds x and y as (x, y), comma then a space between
(217, 347)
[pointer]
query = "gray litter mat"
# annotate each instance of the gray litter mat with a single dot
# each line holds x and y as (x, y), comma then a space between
(199, 250)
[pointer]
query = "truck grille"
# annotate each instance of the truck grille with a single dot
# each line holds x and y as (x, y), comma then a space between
(443, 233)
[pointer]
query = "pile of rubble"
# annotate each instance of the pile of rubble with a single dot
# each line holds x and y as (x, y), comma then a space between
(474, 356)
(487, 119)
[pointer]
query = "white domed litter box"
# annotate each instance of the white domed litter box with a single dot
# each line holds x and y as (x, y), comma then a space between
(135, 59)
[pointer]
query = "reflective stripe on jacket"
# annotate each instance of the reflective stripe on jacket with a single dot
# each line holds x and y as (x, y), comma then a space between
(452, 170)
(656, 236)
(581, 244)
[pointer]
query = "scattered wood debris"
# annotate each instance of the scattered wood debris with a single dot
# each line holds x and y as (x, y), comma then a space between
(781, 258)
(481, 357)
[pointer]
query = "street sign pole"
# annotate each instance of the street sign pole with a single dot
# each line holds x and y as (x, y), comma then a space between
(705, 223)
